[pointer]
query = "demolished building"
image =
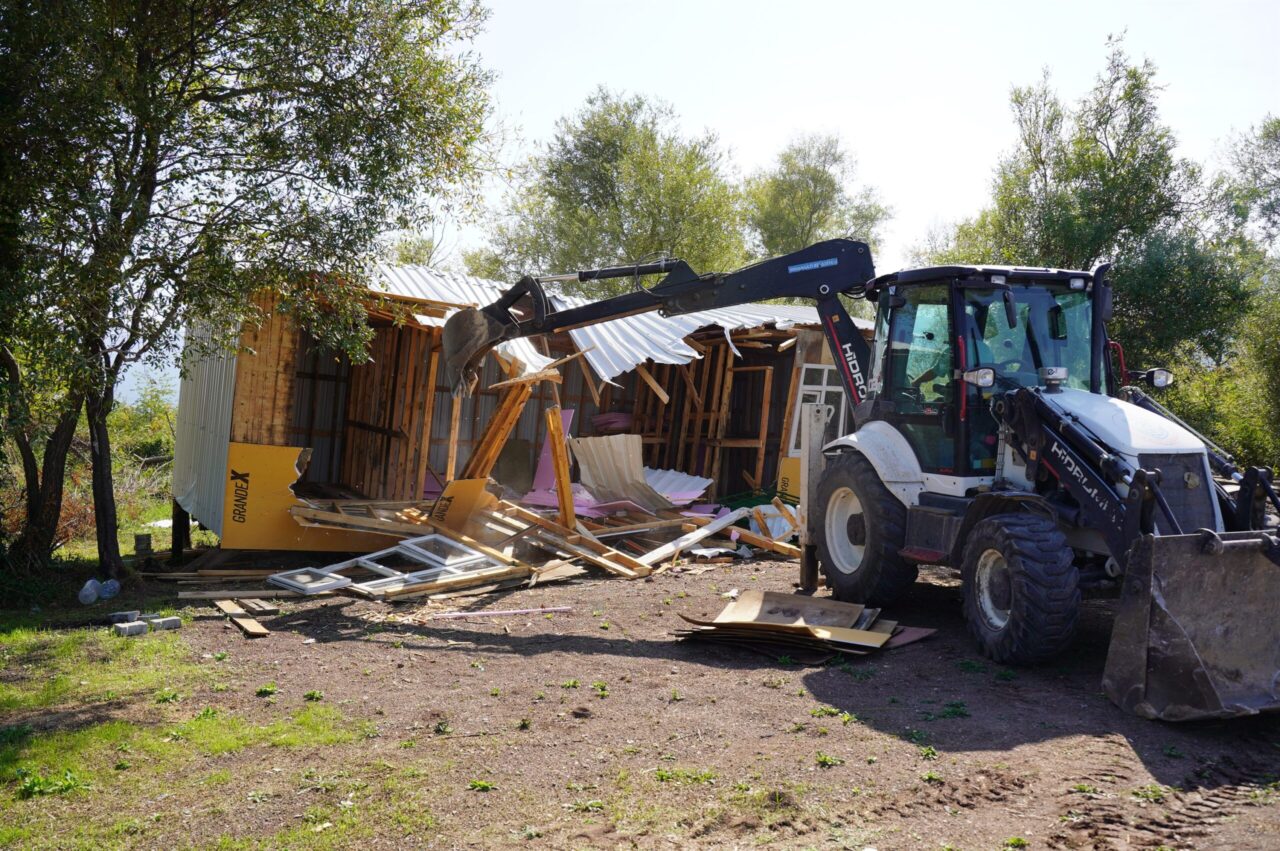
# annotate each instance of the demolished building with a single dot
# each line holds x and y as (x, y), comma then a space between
(714, 394)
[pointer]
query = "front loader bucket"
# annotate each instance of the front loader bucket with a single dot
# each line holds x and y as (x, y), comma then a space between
(1196, 633)
(468, 336)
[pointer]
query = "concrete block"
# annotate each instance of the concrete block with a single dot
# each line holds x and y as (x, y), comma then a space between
(124, 617)
(132, 628)
(166, 623)
(148, 616)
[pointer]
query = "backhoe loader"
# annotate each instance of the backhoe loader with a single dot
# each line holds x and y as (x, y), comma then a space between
(998, 432)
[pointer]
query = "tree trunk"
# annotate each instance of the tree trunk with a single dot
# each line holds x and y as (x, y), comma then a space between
(97, 405)
(35, 543)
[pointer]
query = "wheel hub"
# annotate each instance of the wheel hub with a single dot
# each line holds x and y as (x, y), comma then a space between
(994, 589)
(846, 530)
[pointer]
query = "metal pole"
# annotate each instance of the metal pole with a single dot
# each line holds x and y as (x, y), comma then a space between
(813, 425)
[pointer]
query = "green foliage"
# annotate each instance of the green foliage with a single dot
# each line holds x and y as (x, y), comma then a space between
(827, 760)
(34, 785)
(805, 198)
(173, 163)
(1257, 163)
(617, 184)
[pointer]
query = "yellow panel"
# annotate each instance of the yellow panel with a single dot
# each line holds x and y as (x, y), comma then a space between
(789, 479)
(256, 513)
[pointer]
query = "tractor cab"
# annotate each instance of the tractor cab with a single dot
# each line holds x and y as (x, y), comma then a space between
(948, 338)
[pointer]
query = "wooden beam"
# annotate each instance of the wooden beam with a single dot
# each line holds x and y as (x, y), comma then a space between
(497, 430)
(748, 537)
(644, 373)
(589, 380)
(451, 463)
(560, 463)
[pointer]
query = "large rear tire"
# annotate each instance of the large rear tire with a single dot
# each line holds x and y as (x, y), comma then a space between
(1021, 590)
(862, 528)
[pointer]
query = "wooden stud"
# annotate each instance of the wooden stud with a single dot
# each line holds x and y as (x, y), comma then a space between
(560, 463)
(455, 417)
(644, 373)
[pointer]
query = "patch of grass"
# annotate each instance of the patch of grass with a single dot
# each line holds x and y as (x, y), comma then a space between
(570, 684)
(313, 696)
(442, 727)
(601, 688)
(1084, 789)
(928, 752)
(267, 689)
(970, 666)
(1015, 842)
(954, 709)
(481, 786)
(684, 775)
(824, 712)
(525, 724)
(932, 778)
(1172, 752)
(1152, 793)
(1006, 675)
(916, 737)
(592, 806)
(221, 656)
(85, 666)
(676, 696)
(825, 760)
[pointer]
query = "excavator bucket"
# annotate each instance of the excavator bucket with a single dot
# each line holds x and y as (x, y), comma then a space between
(468, 336)
(1196, 634)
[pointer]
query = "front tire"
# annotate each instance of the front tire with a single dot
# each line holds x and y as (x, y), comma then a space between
(1021, 590)
(863, 527)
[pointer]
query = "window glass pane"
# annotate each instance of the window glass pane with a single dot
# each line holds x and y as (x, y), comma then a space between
(920, 351)
(813, 376)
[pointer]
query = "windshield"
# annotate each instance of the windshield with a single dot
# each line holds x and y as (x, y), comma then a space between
(1052, 329)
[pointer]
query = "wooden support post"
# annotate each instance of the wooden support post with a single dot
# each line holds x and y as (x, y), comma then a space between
(644, 373)
(485, 453)
(813, 425)
(455, 417)
(560, 463)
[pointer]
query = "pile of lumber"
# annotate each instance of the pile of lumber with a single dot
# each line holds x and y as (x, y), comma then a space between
(808, 630)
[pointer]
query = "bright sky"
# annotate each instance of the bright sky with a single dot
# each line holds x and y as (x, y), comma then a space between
(917, 91)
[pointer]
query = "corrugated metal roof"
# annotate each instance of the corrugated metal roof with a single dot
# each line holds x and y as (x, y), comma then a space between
(613, 347)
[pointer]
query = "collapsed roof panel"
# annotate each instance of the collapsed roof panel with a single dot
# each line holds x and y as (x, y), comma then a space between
(612, 348)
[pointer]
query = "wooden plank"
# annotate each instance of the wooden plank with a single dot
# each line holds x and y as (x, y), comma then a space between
(228, 607)
(614, 558)
(250, 627)
(589, 380)
(485, 453)
(785, 511)
(237, 593)
(428, 413)
(259, 607)
(644, 373)
(560, 463)
(688, 540)
(451, 464)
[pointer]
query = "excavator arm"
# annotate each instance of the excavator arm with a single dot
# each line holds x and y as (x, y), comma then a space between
(822, 272)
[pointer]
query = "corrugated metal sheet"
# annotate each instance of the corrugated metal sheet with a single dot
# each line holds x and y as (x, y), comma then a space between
(203, 432)
(462, 290)
(613, 347)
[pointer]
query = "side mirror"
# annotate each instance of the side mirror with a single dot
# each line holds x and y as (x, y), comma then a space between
(1157, 378)
(984, 377)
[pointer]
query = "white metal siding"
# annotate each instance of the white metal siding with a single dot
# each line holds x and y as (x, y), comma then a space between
(204, 432)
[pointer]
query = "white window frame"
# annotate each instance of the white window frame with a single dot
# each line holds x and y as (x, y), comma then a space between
(808, 392)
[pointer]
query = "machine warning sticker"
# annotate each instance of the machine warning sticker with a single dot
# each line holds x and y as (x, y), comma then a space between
(813, 264)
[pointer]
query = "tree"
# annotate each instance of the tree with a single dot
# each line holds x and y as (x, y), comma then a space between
(168, 159)
(1257, 162)
(616, 184)
(1103, 181)
(805, 198)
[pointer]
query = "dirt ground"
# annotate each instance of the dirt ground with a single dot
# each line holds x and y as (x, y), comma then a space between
(595, 728)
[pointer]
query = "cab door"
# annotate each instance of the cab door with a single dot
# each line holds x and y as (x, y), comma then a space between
(919, 383)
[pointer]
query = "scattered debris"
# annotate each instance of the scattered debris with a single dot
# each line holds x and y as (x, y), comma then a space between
(785, 624)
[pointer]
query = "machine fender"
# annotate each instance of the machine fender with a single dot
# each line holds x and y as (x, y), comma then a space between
(986, 505)
(891, 456)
